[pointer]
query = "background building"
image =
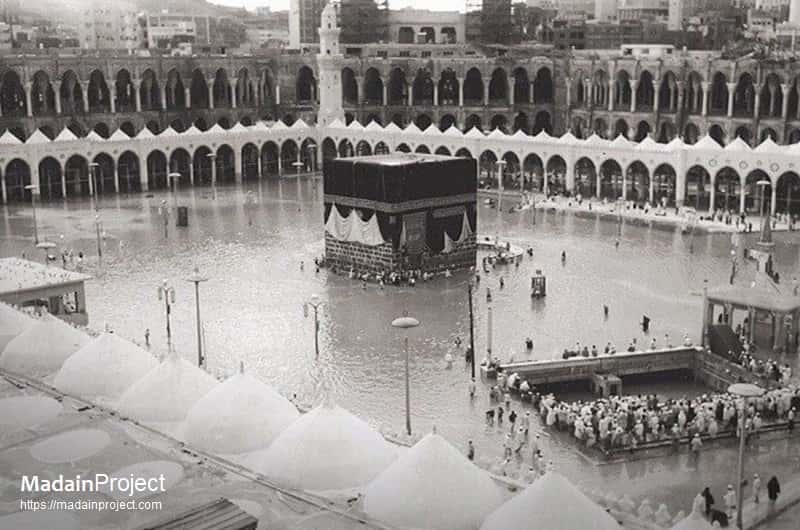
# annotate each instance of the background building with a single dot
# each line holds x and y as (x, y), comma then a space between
(642, 9)
(363, 21)
(110, 25)
(409, 25)
(605, 10)
(304, 16)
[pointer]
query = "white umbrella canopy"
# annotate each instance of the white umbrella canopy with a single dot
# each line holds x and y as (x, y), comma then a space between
(41, 349)
(550, 502)
(240, 415)
(12, 323)
(104, 368)
(326, 449)
(167, 392)
(695, 520)
(432, 486)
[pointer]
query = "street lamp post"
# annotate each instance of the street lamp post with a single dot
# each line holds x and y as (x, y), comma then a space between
(93, 171)
(315, 303)
(406, 322)
(489, 331)
(312, 149)
(743, 391)
(766, 232)
(197, 279)
(98, 225)
(167, 293)
(33, 188)
(471, 330)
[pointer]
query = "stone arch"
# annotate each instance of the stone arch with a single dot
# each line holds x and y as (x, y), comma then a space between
(771, 97)
(12, 95)
(201, 165)
(473, 120)
(153, 126)
(512, 174)
(399, 120)
(372, 117)
(446, 121)
(71, 94)
(103, 168)
(585, 177)
(180, 161)
(743, 132)
(221, 89)
(423, 121)
(758, 199)
(668, 93)
(691, 133)
(718, 97)
(623, 92)
(18, 175)
(97, 93)
(787, 193)
(600, 89)
(422, 89)
(290, 155)
(533, 172)
(442, 150)
(792, 107)
(473, 87)
(487, 167)
(499, 121)
(125, 92)
(620, 128)
(422, 148)
(522, 90)
(373, 87)
(329, 149)
(247, 121)
(610, 180)
(645, 93)
(727, 187)
(157, 170)
(543, 86)
(667, 132)
(198, 91)
(600, 127)
(698, 188)
(664, 185)
(744, 96)
(579, 127)
(43, 98)
(226, 164)
(349, 87)
(448, 88)
(403, 148)
(18, 130)
(556, 172)
(250, 160)
(201, 124)
(76, 176)
(521, 123)
(102, 129)
(128, 171)
(406, 35)
(542, 122)
(266, 87)
(382, 149)
(349, 117)
(270, 154)
(175, 92)
(306, 86)
(693, 93)
(150, 91)
(397, 91)
(643, 130)
(77, 129)
(637, 182)
(346, 148)
(128, 128)
(717, 133)
(363, 148)
(498, 86)
(50, 179)
(225, 122)
(464, 153)
(768, 132)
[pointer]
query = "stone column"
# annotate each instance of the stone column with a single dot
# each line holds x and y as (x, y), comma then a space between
(85, 94)
(57, 92)
(706, 86)
(460, 91)
(681, 96)
(112, 98)
(785, 101)
(588, 94)
(742, 197)
(63, 182)
(773, 204)
(191, 171)
(385, 95)
(731, 93)
(410, 95)
(3, 190)
(163, 94)
(633, 84)
(611, 96)
(28, 98)
(656, 97)
(530, 93)
(237, 165)
(360, 91)
(772, 91)
(137, 84)
(486, 93)
(116, 176)
(187, 98)
(569, 93)
(757, 105)
(278, 94)
(624, 184)
(651, 193)
(210, 86)
(436, 94)
(232, 83)
(258, 165)
(712, 198)
(512, 83)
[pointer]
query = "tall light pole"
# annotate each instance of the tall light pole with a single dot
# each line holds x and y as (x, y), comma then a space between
(93, 171)
(315, 303)
(743, 391)
(406, 322)
(471, 329)
(33, 188)
(167, 293)
(98, 225)
(197, 279)
(488, 331)
(766, 232)
(312, 149)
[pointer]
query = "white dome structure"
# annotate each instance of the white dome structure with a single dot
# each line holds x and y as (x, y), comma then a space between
(432, 486)
(104, 368)
(551, 502)
(695, 520)
(167, 392)
(12, 323)
(240, 415)
(42, 348)
(326, 449)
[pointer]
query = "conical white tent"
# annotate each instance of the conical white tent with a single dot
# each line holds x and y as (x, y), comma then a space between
(12, 323)
(167, 392)
(326, 449)
(695, 520)
(551, 502)
(42, 348)
(104, 368)
(432, 486)
(240, 415)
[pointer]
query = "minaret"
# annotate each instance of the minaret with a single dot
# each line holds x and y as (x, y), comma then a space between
(329, 62)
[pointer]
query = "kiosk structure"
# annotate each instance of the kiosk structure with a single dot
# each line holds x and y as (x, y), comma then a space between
(399, 212)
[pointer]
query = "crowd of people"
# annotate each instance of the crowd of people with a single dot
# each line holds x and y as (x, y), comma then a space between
(629, 421)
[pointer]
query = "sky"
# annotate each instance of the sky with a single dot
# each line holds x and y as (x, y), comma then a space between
(435, 5)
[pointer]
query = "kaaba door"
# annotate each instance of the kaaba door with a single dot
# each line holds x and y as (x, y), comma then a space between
(415, 237)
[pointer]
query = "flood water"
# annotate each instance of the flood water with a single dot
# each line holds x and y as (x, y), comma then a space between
(251, 240)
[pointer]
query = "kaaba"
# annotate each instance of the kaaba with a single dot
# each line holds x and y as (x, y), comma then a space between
(400, 212)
